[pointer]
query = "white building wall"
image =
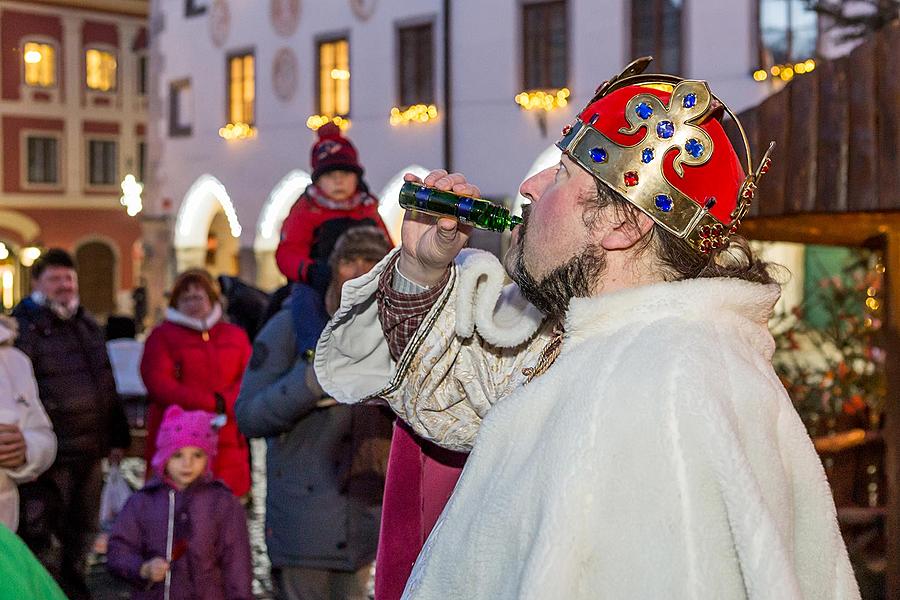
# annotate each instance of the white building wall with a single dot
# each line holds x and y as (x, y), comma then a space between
(494, 141)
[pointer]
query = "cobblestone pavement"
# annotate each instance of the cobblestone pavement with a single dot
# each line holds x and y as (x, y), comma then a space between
(105, 587)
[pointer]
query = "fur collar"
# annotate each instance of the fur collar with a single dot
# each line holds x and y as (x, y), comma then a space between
(708, 299)
(179, 318)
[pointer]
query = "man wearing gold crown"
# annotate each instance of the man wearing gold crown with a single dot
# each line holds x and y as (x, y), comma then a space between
(629, 437)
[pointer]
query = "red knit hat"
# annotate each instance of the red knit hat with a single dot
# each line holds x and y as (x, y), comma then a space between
(332, 151)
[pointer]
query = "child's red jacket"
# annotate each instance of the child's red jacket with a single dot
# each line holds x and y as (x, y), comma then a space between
(313, 226)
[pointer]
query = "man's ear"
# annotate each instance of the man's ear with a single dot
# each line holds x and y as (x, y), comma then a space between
(627, 230)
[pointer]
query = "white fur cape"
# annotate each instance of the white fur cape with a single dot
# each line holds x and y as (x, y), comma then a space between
(659, 457)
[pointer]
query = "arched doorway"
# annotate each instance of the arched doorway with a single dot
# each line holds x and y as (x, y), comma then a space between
(10, 276)
(96, 262)
(207, 231)
(389, 207)
(268, 229)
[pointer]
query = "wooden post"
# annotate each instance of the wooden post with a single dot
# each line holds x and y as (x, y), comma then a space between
(891, 324)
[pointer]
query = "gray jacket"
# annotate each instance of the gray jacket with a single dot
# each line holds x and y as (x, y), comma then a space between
(323, 500)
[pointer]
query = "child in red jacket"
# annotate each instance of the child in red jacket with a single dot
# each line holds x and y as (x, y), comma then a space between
(336, 200)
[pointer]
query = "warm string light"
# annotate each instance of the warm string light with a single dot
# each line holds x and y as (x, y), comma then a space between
(28, 255)
(131, 195)
(237, 131)
(417, 113)
(543, 100)
(787, 71)
(316, 121)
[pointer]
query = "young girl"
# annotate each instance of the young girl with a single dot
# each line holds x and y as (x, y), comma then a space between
(184, 535)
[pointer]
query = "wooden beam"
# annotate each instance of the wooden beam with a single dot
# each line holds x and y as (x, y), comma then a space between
(137, 8)
(846, 229)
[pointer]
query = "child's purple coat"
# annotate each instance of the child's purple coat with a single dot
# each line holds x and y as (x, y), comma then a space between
(215, 564)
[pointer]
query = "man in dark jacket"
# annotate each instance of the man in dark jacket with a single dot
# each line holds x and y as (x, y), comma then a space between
(325, 462)
(59, 510)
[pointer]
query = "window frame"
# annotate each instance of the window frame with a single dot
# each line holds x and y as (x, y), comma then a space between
(116, 180)
(657, 53)
(178, 129)
(24, 183)
(141, 160)
(44, 42)
(762, 49)
(319, 42)
(193, 10)
(107, 50)
(142, 85)
(428, 65)
(525, 6)
(228, 58)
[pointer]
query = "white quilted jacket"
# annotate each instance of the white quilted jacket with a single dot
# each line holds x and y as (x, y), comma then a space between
(659, 457)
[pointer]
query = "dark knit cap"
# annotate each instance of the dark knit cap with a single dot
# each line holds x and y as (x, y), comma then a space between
(367, 242)
(332, 152)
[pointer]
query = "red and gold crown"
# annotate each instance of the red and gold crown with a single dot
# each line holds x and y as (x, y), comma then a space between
(658, 140)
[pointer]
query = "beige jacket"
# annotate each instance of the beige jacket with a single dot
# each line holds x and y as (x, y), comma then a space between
(20, 405)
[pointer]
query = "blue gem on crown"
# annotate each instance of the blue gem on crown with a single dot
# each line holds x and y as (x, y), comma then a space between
(643, 110)
(647, 155)
(664, 202)
(694, 147)
(690, 101)
(599, 155)
(665, 129)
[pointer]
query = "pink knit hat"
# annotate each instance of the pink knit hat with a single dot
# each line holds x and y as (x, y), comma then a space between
(182, 428)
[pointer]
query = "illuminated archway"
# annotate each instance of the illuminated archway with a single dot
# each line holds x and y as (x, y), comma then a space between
(276, 209)
(390, 210)
(203, 201)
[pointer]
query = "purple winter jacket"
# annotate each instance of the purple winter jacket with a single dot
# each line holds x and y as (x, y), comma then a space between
(210, 533)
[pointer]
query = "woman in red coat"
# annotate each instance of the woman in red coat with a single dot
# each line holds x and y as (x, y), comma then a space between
(195, 360)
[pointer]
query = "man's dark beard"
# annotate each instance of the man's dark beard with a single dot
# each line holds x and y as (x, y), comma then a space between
(574, 279)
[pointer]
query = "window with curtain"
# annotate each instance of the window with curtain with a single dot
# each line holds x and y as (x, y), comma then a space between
(788, 31)
(100, 70)
(334, 77)
(657, 31)
(241, 88)
(40, 64)
(545, 36)
(102, 157)
(43, 160)
(416, 66)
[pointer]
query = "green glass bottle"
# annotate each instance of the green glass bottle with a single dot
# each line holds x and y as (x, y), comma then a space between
(476, 212)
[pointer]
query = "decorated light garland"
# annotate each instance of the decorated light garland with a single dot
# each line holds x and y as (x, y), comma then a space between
(237, 131)
(543, 99)
(417, 113)
(316, 121)
(787, 71)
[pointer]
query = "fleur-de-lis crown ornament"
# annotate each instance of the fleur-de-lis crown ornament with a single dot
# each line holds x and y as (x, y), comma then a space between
(659, 142)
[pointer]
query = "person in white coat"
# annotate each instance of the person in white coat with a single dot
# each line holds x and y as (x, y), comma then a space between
(629, 437)
(27, 441)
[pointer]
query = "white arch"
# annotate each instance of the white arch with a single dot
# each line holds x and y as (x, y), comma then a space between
(545, 159)
(389, 208)
(277, 207)
(199, 206)
(21, 224)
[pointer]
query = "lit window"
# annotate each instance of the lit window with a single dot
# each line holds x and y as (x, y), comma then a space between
(102, 166)
(40, 64)
(43, 160)
(241, 89)
(789, 31)
(656, 30)
(546, 50)
(416, 65)
(334, 78)
(100, 70)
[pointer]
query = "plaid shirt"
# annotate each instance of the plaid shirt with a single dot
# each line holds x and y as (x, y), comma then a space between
(400, 313)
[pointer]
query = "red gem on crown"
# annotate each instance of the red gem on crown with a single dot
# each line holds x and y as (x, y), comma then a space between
(631, 178)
